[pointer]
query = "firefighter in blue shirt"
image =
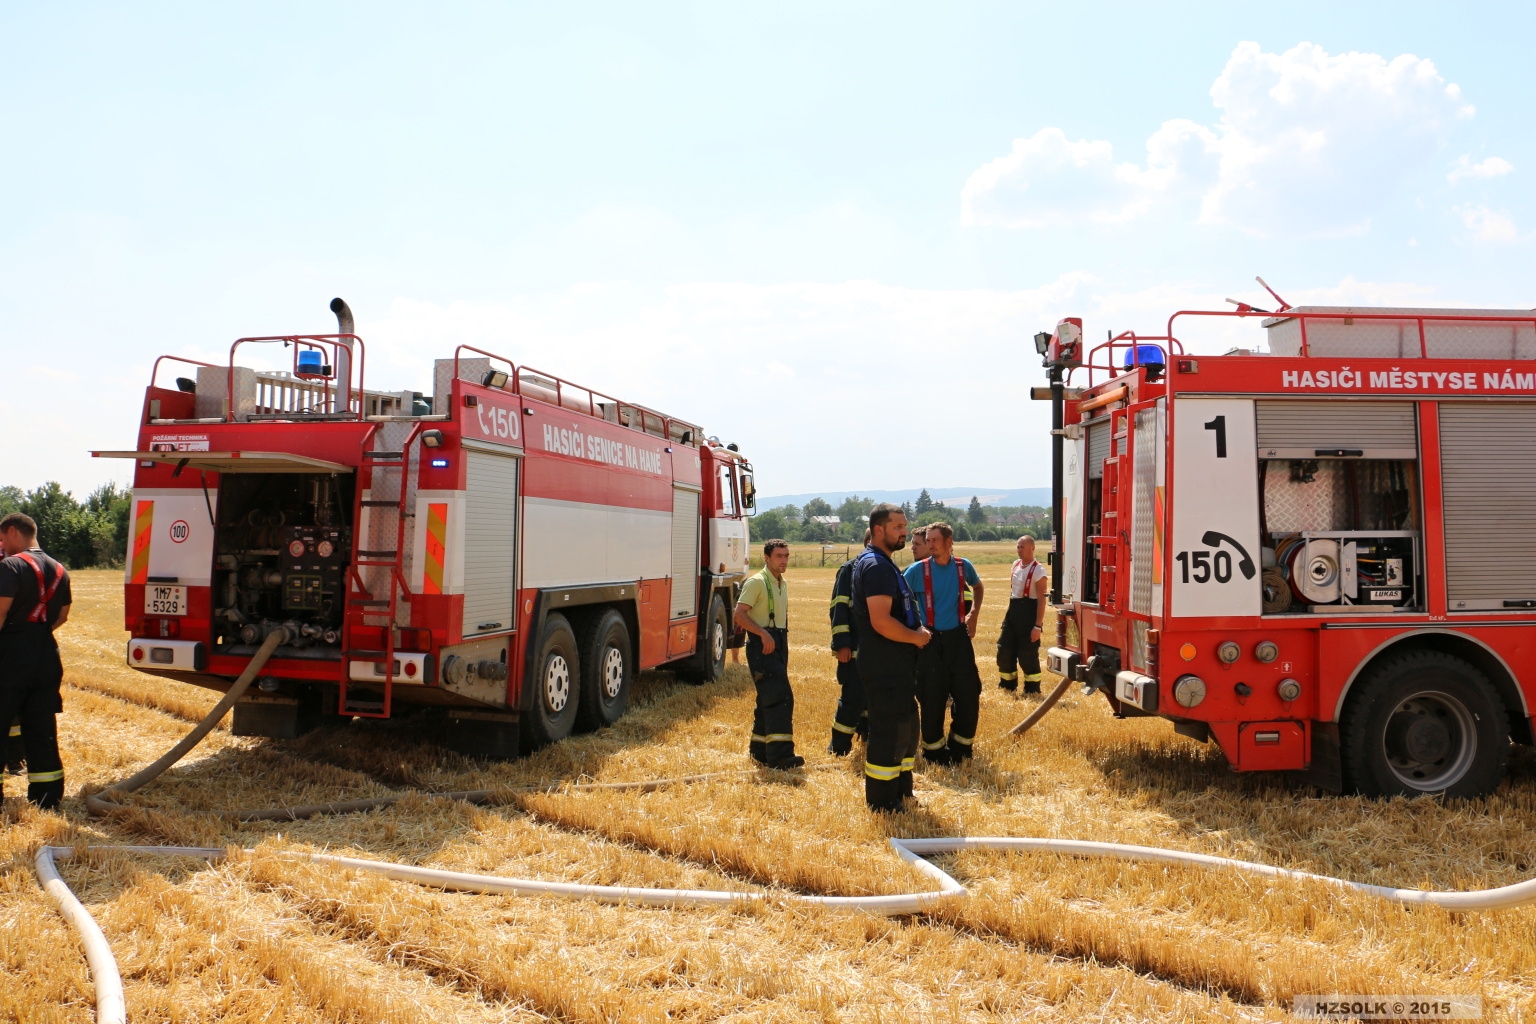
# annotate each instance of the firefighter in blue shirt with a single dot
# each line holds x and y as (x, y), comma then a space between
(890, 635)
(851, 718)
(947, 667)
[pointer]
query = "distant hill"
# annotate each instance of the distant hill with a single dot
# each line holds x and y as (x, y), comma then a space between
(952, 496)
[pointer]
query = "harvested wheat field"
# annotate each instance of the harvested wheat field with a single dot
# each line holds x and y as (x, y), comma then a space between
(1040, 937)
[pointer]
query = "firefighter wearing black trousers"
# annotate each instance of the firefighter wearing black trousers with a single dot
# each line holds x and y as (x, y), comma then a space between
(890, 634)
(852, 718)
(1018, 648)
(34, 601)
(762, 610)
(15, 754)
(946, 669)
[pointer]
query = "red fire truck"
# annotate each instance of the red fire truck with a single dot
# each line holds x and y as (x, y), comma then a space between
(1323, 556)
(511, 549)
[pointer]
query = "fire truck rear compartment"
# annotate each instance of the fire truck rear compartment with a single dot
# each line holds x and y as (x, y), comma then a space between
(281, 551)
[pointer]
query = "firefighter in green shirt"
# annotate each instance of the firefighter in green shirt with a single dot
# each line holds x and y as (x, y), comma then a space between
(763, 611)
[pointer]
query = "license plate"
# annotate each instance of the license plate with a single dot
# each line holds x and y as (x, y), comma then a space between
(160, 599)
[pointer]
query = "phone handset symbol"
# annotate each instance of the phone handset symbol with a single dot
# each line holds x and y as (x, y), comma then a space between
(1245, 561)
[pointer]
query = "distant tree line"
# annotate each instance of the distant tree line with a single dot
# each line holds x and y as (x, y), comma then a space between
(805, 524)
(81, 534)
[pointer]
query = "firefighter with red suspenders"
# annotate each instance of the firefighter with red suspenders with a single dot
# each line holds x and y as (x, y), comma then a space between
(34, 601)
(1018, 648)
(946, 668)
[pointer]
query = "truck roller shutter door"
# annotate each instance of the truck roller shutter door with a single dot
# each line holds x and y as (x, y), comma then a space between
(490, 542)
(1297, 430)
(1488, 460)
(685, 552)
(1098, 449)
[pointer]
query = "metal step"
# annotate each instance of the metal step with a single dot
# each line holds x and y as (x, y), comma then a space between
(378, 554)
(366, 708)
(383, 455)
(385, 503)
(370, 603)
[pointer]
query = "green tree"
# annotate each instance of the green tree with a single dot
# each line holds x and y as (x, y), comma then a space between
(109, 510)
(782, 522)
(854, 510)
(815, 507)
(62, 530)
(11, 498)
(906, 507)
(975, 513)
(924, 502)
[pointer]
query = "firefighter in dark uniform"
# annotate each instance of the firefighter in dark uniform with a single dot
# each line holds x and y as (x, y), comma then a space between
(762, 609)
(1018, 648)
(15, 757)
(890, 634)
(946, 669)
(852, 718)
(34, 601)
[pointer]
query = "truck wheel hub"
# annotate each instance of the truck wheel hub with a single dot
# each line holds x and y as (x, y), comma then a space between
(613, 672)
(1430, 739)
(557, 683)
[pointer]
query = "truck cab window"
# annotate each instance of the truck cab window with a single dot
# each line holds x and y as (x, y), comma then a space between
(727, 492)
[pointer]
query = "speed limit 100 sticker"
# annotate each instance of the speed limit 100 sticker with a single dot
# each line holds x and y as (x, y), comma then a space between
(180, 531)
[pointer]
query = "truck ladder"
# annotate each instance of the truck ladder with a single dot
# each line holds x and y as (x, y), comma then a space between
(362, 603)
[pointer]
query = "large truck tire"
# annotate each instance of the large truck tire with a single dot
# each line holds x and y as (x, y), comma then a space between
(708, 665)
(552, 696)
(1423, 722)
(607, 669)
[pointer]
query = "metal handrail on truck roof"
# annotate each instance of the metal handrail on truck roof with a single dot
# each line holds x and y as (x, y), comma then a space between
(1303, 315)
(688, 434)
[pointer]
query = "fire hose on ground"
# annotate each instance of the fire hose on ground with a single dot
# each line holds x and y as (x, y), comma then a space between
(111, 1007)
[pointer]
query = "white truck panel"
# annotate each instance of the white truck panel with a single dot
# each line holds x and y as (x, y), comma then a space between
(1215, 543)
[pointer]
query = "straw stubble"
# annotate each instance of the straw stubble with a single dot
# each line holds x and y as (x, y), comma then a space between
(1040, 937)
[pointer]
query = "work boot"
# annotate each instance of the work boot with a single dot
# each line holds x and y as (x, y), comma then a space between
(789, 763)
(841, 744)
(944, 756)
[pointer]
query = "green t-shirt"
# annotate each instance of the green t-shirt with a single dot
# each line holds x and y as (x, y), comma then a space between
(756, 596)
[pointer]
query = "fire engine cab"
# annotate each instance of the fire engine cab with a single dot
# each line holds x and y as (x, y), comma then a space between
(510, 549)
(1322, 555)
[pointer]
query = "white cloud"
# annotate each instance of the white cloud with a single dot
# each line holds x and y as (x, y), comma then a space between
(1307, 143)
(1485, 225)
(1492, 167)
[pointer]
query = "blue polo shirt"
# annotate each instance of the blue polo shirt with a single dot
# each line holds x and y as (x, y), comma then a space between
(946, 590)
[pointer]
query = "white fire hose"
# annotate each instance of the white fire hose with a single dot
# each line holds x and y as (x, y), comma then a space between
(112, 1009)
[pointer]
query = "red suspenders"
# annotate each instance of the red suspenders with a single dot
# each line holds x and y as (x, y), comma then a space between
(928, 590)
(45, 593)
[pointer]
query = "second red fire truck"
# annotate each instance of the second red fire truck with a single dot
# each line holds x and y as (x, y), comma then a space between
(510, 549)
(1322, 556)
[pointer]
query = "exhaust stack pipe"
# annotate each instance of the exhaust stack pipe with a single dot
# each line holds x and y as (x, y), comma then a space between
(344, 325)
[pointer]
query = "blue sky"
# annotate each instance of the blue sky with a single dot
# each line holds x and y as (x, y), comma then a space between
(827, 231)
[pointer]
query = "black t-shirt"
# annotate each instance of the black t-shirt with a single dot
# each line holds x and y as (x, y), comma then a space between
(18, 581)
(874, 574)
